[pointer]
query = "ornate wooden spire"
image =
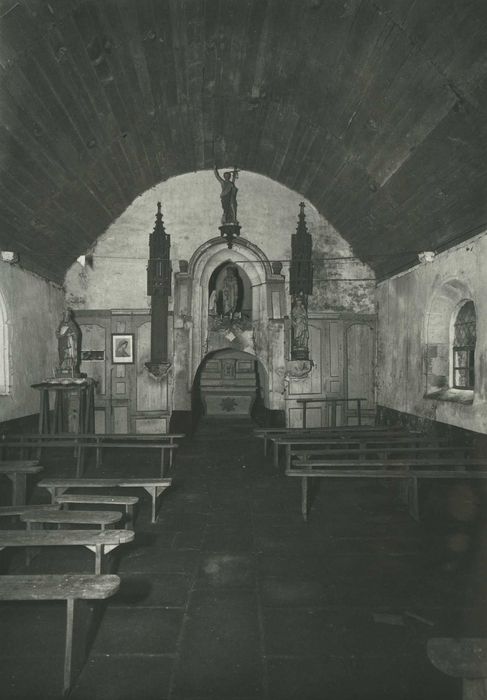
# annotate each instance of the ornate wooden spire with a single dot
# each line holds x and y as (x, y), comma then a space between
(159, 268)
(301, 270)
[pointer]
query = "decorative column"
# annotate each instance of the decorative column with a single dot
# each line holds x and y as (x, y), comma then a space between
(159, 273)
(300, 286)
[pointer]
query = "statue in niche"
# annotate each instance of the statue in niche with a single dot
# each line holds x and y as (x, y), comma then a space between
(300, 331)
(230, 292)
(212, 303)
(69, 346)
(228, 195)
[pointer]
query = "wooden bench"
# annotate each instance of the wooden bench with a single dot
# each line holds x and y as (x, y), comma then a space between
(154, 487)
(462, 658)
(269, 434)
(128, 502)
(409, 469)
(387, 449)
(359, 437)
(103, 518)
(101, 542)
(11, 511)
(164, 442)
(83, 444)
(17, 471)
(71, 588)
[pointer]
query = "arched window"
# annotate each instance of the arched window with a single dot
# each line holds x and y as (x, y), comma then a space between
(464, 338)
(4, 349)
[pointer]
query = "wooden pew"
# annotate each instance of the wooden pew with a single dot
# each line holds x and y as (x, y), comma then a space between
(101, 542)
(462, 658)
(128, 502)
(83, 444)
(359, 437)
(384, 449)
(268, 434)
(17, 471)
(154, 487)
(403, 469)
(69, 587)
(165, 442)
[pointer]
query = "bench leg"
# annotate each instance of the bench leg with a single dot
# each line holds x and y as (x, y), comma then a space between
(304, 497)
(19, 488)
(80, 453)
(129, 517)
(163, 464)
(153, 495)
(72, 613)
(266, 447)
(99, 457)
(98, 559)
(413, 499)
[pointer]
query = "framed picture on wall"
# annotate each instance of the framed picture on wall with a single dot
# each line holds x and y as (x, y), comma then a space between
(122, 348)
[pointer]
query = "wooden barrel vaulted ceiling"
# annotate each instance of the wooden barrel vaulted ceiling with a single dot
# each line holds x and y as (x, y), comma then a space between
(375, 110)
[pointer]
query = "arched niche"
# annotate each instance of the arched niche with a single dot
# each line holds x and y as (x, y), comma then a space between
(262, 336)
(206, 260)
(448, 297)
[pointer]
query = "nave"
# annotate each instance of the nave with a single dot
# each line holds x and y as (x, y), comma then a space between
(231, 596)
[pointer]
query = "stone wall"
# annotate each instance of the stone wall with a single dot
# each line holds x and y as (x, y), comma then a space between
(415, 315)
(34, 308)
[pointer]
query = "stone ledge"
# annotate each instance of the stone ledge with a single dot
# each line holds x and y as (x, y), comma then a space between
(463, 396)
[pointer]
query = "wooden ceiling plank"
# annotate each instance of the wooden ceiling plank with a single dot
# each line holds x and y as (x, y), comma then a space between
(125, 76)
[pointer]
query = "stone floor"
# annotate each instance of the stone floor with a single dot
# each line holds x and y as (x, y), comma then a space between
(230, 596)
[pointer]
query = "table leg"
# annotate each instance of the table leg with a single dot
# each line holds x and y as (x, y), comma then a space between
(359, 411)
(266, 446)
(304, 497)
(162, 462)
(275, 448)
(171, 453)
(288, 456)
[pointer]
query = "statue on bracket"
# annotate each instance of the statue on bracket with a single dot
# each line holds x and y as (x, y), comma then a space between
(299, 328)
(230, 228)
(69, 346)
(228, 195)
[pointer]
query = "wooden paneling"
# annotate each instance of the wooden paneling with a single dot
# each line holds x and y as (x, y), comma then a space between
(360, 363)
(120, 416)
(151, 394)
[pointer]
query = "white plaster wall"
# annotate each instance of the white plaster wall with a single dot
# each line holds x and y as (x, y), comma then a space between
(268, 214)
(34, 310)
(403, 305)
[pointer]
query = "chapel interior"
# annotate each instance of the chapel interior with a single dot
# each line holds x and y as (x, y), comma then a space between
(243, 378)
